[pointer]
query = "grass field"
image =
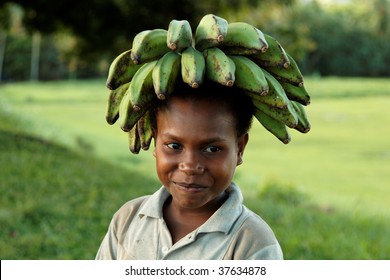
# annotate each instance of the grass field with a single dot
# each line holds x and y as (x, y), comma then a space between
(64, 171)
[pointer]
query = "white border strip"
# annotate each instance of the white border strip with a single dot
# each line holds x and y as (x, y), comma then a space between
(174, 270)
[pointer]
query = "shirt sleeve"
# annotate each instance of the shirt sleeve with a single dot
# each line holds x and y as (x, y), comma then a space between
(271, 252)
(111, 247)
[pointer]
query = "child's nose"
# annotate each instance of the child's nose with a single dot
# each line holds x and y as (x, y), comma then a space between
(191, 164)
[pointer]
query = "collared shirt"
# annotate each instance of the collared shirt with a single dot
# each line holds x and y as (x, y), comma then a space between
(138, 231)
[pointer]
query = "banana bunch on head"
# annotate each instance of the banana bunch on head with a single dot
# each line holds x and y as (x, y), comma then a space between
(231, 54)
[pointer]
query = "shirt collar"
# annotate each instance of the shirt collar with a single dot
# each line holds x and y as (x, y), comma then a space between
(153, 207)
(222, 220)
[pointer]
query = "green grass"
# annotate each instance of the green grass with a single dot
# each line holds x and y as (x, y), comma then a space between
(64, 172)
(344, 160)
(56, 203)
(310, 231)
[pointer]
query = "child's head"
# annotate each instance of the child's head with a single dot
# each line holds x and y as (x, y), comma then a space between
(200, 136)
(232, 98)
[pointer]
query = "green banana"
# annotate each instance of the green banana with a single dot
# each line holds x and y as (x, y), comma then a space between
(179, 36)
(141, 89)
(219, 67)
(292, 74)
(149, 45)
(303, 125)
(249, 76)
(276, 91)
(165, 74)
(134, 140)
(275, 96)
(193, 67)
(276, 127)
(286, 115)
(114, 101)
(125, 111)
(121, 71)
(128, 117)
(243, 39)
(145, 130)
(138, 98)
(275, 56)
(296, 93)
(210, 32)
(124, 105)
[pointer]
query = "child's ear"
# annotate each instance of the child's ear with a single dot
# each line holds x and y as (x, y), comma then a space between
(154, 134)
(154, 145)
(241, 144)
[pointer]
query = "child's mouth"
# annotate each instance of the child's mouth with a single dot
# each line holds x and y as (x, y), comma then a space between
(189, 186)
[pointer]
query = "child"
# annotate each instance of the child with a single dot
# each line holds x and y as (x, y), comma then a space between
(198, 213)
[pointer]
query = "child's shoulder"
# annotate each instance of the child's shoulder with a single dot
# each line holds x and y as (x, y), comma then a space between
(129, 209)
(254, 226)
(254, 240)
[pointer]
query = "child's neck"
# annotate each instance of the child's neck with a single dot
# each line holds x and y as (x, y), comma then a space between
(181, 221)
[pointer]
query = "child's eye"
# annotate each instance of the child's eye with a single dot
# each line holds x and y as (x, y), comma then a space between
(174, 146)
(212, 149)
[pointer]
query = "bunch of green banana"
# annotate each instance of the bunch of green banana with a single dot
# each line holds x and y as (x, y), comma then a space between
(235, 54)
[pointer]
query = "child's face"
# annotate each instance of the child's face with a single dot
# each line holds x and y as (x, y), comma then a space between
(197, 151)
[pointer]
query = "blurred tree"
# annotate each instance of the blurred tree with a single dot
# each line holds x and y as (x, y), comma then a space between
(102, 26)
(236, 7)
(382, 8)
(334, 39)
(105, 28)
(16, 45)
(105, 25)
(5, 17)
(345, 45)
(4, 26)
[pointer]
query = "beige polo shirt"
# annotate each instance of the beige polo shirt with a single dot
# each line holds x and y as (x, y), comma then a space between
(233, 232)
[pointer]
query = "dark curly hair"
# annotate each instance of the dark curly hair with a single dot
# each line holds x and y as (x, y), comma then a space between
(238, 103)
